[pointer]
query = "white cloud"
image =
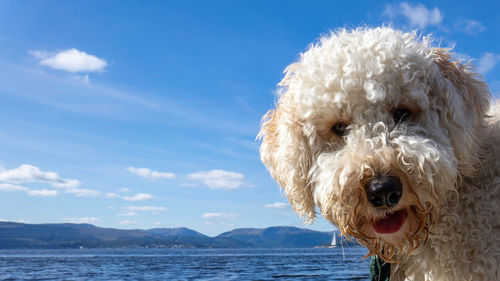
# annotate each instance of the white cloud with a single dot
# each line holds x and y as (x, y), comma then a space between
(12, 187)
(470, 27)
(129, 222)
(84, 192)
(43, 193)
(67, 183)
(8, 187)
(139, 197)
(228, 216)
(90, 220)
(417, 14)
(149, 174)
(111, 195)
(127, 214)
(18, 221)
(71, 60)
(219, 179)
(220, 218)
(29, 173)
(487, 62)
(276, 205)
(145, 208)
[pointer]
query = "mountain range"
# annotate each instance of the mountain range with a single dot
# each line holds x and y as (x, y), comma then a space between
(68, 235)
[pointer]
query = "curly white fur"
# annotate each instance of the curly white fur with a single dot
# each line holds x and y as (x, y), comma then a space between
(445, 154)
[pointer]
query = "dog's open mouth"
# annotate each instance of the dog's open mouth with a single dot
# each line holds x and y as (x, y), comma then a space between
(391, 223)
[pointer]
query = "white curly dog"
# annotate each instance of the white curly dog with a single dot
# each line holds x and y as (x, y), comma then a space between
(393, 142)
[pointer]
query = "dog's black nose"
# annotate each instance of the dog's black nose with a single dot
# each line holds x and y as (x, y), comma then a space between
(384, 191)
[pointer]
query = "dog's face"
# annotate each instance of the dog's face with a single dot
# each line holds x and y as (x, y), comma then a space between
(375, 129)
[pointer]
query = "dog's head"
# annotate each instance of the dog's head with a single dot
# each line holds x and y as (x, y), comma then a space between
(375, 128)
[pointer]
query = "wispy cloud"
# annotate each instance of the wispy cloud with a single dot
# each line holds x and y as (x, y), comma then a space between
(71, 60)
(146, 208)
(84, 192)
(416, 14)
(111, 100)
(470, 27)
(219, 218)
(487, 62)
(8, 187)
(81, 78)
(12, 187)
(43, 192)
(139, 197)
(219, 179)
(18, 220)
(111, 195)
(128, 222)
(230, 216)
(91, 220)
(127, 214)
(276, 205)
(73, 93)
(149, 174)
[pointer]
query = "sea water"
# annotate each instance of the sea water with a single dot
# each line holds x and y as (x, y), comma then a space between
(341, 263)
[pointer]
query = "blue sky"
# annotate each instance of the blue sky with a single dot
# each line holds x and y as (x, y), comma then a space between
(144, 114)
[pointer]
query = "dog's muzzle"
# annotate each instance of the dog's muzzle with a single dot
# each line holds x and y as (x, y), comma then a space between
(384, 191)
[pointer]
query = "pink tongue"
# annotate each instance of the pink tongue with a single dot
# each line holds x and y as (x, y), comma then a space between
(391, 223)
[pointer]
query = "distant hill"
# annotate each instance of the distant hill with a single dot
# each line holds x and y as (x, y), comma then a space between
(68, 235)
(279, 236)
(178, 231)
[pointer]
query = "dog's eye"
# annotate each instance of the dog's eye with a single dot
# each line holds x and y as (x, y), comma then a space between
(401, 114)
(339, 129)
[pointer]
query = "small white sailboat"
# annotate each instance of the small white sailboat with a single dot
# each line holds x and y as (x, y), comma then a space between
(333, 244)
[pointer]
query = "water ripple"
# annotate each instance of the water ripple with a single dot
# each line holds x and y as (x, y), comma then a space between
(185, 264)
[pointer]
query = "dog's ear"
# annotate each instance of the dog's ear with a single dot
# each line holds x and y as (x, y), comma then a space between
(286, 154)
(464, 100)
